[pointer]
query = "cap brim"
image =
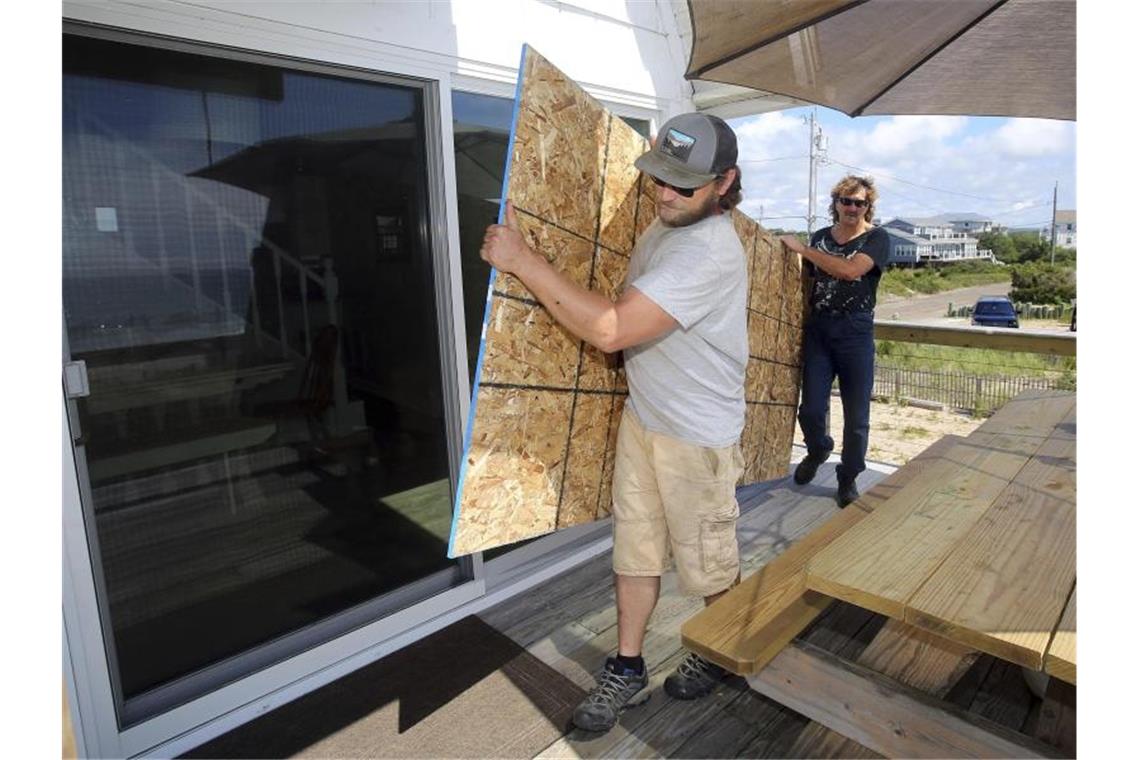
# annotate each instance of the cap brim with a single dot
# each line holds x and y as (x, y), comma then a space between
(656, 165)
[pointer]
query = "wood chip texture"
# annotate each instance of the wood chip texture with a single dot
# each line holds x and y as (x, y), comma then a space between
(546, 406)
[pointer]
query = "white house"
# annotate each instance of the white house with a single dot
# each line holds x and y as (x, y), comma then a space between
(1065, 228)
(938, 239)
(969, 223)
(907, 249)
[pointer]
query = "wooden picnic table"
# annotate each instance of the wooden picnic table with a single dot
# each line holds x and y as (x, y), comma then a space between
(969, 547)
(979, 547)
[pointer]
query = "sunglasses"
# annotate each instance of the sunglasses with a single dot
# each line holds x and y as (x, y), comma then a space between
(856, 202)
(684, 192)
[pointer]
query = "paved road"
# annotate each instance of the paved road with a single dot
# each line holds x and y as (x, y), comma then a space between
(926, 308)
(932, 309)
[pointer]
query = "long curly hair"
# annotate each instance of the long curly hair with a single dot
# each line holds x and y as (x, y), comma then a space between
(850, 184)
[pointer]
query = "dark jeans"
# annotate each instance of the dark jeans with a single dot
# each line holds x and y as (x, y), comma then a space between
(838, 345)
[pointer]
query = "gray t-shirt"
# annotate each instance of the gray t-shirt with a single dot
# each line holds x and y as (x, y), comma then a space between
(689, 383)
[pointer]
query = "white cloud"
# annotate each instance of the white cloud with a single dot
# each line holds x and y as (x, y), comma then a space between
(1034, 137)
(767, 126)
(901, 135)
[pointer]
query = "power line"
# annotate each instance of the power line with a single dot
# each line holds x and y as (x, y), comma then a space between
(763, 160)
(924, 187)
(916, 201)
(1023, 208)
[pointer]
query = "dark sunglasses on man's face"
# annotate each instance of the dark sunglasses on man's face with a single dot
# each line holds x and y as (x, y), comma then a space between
(856, 202)
(684, 192)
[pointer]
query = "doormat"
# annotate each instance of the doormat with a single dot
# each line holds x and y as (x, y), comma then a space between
(464, 691)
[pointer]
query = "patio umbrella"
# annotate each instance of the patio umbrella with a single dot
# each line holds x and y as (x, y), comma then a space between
(865, 57)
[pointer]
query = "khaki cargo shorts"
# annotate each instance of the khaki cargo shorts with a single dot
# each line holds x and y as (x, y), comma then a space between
(678, 498)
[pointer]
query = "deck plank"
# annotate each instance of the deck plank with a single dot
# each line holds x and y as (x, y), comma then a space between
(844, 630)
(818, 741)
(918, 658)
(1002, 589)
(1056, 722)
(777, 517)
(1003, 696)
(562, 600)
(750, 726)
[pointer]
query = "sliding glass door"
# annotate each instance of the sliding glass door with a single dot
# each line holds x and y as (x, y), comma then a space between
(249, 284)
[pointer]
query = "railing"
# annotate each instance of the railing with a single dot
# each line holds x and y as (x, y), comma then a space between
(283, 263)
(975, 392)
(326, 279)
(1026, 341)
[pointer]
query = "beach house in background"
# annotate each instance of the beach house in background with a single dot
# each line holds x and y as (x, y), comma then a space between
(1066, 227)
(937, 239)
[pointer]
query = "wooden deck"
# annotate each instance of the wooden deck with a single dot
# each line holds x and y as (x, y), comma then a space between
(570, 623)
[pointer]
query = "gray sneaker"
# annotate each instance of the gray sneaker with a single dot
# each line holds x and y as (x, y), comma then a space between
(694, 677)
(617, 689)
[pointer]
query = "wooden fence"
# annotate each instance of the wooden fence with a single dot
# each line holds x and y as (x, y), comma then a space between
(1056, 312)
(958, 390)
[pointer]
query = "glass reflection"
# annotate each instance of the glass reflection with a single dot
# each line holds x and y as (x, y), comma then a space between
(245, 274)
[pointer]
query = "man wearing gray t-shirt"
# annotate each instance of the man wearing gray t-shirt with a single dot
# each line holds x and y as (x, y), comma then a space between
(681, 324)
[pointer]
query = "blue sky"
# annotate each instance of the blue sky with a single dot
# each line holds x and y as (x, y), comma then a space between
(923, 165)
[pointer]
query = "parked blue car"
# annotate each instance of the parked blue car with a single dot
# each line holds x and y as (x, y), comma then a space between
(995, 311)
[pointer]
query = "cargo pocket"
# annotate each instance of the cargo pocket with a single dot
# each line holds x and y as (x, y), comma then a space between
(718, 544)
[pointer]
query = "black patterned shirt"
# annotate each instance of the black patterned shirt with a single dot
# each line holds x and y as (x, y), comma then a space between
(830, 295)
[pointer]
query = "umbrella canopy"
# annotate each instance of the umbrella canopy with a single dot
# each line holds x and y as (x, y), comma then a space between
(865, 57)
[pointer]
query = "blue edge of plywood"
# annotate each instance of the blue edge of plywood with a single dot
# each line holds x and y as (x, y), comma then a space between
(486, 318)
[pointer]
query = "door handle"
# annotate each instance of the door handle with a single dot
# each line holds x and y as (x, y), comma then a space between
(75, 383)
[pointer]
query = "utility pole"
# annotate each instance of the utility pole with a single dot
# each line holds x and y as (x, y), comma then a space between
(815, 146)
(1053, 227)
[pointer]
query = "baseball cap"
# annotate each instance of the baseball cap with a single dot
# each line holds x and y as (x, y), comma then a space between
(691, 150)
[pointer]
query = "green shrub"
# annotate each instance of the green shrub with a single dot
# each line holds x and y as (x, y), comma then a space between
(938, 278)
(1041, 283)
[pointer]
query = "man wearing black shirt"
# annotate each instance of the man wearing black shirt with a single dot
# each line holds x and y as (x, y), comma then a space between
(845, 262)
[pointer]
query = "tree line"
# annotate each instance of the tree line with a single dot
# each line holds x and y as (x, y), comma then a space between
(1037, 274)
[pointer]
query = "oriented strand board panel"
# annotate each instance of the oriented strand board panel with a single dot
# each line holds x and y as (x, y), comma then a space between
(539, 450)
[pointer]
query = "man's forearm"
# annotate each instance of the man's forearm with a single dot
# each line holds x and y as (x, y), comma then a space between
(836, 266)
(587, 314)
